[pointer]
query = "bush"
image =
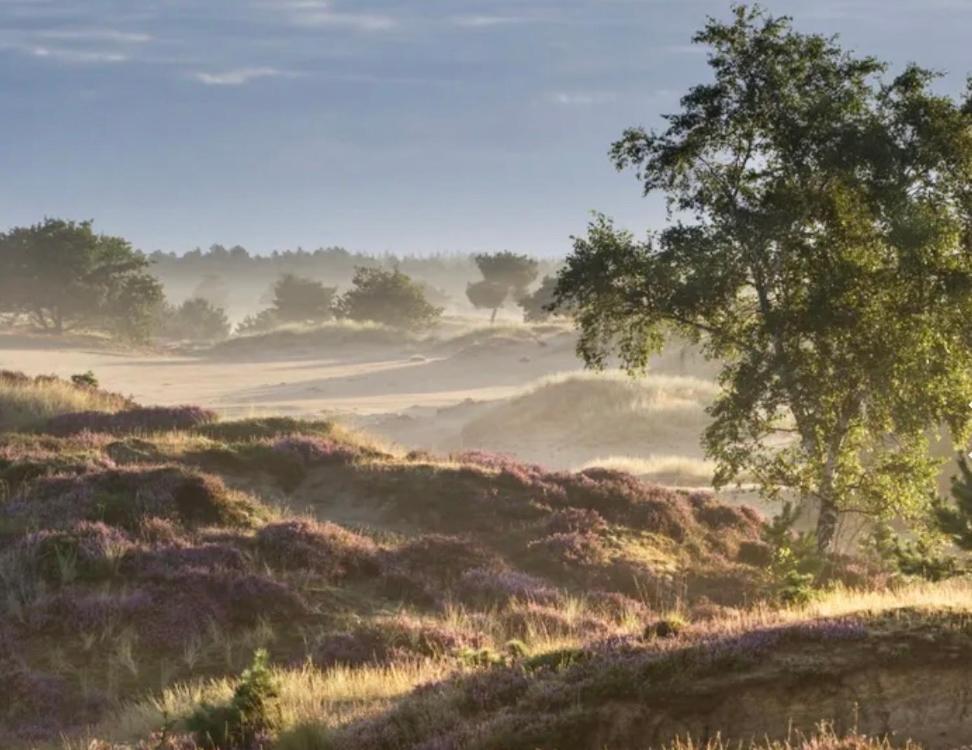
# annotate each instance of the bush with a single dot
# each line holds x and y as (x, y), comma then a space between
(300, 300)
(387, 297)
(195, 320)
(248, 719)
(261, 322)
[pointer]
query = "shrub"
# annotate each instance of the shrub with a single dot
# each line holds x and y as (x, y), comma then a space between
(142, 419)
(261, 322)
(85, 380)
(387, 297)
(195, 319)
(297, 299)
(252, 714)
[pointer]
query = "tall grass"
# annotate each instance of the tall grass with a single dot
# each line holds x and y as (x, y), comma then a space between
(31, 402)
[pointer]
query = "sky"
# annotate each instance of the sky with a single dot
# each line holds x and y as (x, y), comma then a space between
(413, 126)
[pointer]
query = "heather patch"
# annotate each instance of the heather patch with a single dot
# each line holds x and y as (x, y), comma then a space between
(314, 451)
(134, 420)
(392, 639)
(491, 586)
(124, 497)
(325, 548)
(170, 610)
(263, 428)
(86, 551)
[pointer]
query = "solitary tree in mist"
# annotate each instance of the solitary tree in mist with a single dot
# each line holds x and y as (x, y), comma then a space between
(61, 274)
(298, 299)
(820, 247)
(504, 274)
(387, 297)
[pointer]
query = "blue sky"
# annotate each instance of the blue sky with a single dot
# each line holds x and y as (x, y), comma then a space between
(411, 126)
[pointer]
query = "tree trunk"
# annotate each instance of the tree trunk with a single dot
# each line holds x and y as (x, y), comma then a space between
(826, 524)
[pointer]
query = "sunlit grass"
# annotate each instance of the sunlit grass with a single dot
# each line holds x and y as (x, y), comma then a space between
(28, 404)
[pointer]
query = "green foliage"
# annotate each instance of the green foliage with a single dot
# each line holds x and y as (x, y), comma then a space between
(515, 272)
(297, 299)
(251, 714)
(796, 564)
(261, 322)
(955, 520)
(61, 274)
(387, 297)
(921, 557)
(537, 306)
(823, 255)
(487, 295)
(195, 319)
(504, 274)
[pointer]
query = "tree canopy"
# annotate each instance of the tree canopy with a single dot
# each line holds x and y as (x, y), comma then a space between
(387, 297)
(61, 274)
(820, 247)
(298, 299)
(504, 274)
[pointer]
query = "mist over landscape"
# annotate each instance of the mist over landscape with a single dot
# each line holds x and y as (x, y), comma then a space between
(491, 375)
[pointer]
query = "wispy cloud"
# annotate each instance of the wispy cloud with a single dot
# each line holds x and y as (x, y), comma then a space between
(78, 56)
(580, 98)
(354, 21)
(485, 22)
(321, 13)
(239, 76)
(96, 35)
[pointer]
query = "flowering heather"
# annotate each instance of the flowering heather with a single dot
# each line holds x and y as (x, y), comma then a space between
(440, 559)
(324, 547)
(162, 562)
(493, 585)
(719, 516)
(310, 450)
(568, 520)
(573, 548)
(134, 420)
(493, 689)
(525, 619)
(86, 551)
(124, 497)
(392, 639)
(502, 463)
(169, 610)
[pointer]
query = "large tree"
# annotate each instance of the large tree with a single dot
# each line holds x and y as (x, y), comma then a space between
(387, 297)
(60, 274)
(819, 245)
(504, 274)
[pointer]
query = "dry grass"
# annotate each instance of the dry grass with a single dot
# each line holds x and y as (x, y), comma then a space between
(24, 405)
(825, 738)
(608, 411)
(326, 698)
(677, 471)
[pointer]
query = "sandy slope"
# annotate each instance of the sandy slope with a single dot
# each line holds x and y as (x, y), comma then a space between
(435, 395)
